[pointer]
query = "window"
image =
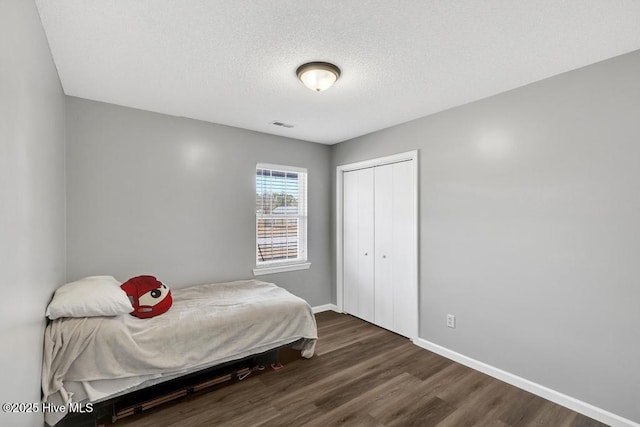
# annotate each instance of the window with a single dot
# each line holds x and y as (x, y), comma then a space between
(281, 219)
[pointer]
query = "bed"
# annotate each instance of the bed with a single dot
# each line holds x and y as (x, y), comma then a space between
(90, 359)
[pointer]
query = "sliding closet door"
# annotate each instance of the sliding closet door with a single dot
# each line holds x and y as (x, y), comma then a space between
(395, 292)
(358, 243)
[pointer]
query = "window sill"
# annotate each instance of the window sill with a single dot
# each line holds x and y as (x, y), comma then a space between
(259, 271)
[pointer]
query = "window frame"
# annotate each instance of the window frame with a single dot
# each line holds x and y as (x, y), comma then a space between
(301, 262)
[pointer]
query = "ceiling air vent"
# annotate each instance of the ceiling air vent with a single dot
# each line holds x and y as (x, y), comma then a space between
(284, 125)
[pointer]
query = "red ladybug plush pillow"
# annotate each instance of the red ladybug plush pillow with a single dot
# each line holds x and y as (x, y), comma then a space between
(148, 295)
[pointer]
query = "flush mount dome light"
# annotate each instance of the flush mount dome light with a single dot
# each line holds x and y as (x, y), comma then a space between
(318, 76)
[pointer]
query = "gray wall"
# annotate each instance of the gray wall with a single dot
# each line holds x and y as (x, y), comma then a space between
(529, 229)
(174, 197)
(32, 247)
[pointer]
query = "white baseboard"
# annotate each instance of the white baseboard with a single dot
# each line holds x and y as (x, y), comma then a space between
(537, 389)
(326, 307)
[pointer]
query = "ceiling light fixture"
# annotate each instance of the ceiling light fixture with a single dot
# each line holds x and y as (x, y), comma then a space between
(318, 76)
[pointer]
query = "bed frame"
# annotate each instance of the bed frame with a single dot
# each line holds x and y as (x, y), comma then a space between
(111, 410)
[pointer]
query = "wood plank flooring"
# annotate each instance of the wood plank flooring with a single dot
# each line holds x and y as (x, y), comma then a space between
(363, 375)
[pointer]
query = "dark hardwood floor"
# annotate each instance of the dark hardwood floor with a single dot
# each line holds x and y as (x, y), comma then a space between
(363, 375)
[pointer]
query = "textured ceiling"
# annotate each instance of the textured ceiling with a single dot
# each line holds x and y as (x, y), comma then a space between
(233, 61)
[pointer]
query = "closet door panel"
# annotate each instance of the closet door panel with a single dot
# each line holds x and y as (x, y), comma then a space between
(358, 226)
(384, 216)
(403, 248)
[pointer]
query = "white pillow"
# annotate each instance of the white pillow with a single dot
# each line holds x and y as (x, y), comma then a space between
(89, 297)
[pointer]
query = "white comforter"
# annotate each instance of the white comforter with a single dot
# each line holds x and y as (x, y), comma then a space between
(207, 325)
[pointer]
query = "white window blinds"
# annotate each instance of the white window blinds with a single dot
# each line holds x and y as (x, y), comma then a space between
(281, 214)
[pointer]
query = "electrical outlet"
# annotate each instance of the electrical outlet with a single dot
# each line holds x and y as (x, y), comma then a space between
(451, 320)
